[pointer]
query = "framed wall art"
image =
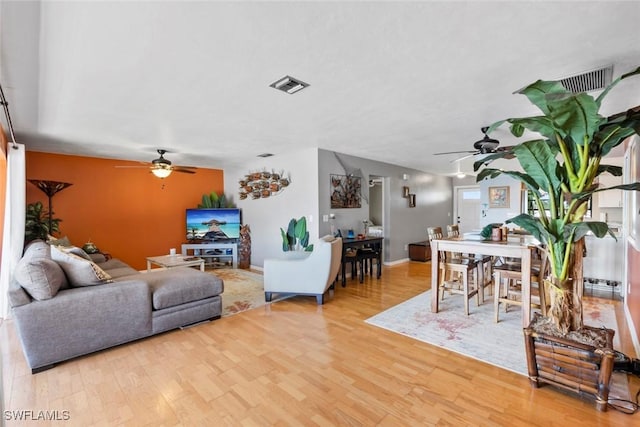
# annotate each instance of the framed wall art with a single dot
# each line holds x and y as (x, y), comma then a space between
(499, 197)
(345, 191)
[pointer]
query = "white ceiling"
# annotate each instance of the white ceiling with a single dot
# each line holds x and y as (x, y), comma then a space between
(389, 81)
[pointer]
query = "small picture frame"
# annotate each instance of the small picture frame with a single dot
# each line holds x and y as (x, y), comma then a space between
(499, 197)
(412, 200)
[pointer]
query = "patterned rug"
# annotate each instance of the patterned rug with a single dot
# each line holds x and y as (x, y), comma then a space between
(477, 335)
(243, 290)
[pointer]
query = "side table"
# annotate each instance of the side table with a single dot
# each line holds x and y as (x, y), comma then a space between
(420, 251)
(172, 261)
(208, 250)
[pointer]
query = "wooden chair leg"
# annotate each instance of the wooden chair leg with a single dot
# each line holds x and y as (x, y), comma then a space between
(480, 282)
(496, 296)
(465, 290)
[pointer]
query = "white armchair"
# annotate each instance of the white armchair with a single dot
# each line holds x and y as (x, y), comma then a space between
(304, 273)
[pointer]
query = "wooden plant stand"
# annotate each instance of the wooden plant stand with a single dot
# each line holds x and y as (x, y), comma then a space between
(570, 365)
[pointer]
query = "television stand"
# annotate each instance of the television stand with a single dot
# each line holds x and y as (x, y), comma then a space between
(211, 251)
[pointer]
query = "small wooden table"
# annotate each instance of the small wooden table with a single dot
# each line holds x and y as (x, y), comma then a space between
(172, 261)
(375, 242)
(420, 251)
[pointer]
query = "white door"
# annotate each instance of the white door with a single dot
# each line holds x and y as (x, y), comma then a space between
(466, 209)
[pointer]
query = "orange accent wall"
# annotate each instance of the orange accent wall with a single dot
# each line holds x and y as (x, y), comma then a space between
(127, 212)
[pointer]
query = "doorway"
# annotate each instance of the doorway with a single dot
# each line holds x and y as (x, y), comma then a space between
(378, 215)
(466, 207)
(376, 200)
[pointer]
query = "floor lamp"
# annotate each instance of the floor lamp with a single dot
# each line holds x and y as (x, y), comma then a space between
(50, 188)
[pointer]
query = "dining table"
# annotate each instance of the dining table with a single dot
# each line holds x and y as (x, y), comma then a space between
(517, 246)
(367, 241)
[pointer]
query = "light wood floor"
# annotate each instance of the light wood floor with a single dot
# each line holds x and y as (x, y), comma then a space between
(293, 363)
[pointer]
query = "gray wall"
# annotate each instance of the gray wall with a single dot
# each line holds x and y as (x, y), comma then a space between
(403, 225)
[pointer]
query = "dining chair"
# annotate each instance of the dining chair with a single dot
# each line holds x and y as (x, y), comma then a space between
(456, 275)
(351, 259)
(508, 284)
(365, 257)
(484, 263)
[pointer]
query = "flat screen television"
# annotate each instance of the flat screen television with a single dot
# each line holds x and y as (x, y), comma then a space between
(213, 224)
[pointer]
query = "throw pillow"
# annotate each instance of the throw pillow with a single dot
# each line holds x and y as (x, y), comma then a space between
(42, 278)
(63, 241)
(76, 251)
(79, 271)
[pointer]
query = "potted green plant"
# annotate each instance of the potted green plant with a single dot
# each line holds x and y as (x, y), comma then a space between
(37, 223)
(296, 238)
(560, 167)
(212, 200)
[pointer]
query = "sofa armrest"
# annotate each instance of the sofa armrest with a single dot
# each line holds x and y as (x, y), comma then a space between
(82, 320)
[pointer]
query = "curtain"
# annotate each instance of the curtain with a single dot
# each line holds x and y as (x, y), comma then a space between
(14, 219)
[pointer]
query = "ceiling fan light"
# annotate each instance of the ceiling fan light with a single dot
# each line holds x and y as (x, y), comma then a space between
(461, 175)
(161, 172)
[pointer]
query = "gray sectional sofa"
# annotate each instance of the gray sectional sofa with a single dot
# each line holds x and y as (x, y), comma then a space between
(66, 304)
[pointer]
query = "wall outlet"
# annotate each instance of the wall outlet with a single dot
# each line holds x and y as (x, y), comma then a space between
(406, 247)
(325, 218)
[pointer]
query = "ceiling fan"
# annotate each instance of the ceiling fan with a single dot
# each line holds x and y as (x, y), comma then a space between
(484, 146)
(162, 168)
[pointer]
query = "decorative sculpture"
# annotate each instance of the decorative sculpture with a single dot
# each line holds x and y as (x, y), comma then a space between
(262, 185)
(244, 246)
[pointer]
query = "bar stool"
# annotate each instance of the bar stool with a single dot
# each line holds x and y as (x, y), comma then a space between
(508, 289)
(485, 263)
(457, 275)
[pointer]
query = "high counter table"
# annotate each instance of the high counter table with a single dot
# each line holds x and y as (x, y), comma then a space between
(520, 247)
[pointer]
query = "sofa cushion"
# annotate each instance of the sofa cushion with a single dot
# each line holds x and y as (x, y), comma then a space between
(42, 278)
(97, 258)
(177, 286)
(116, 268)
(79, 271)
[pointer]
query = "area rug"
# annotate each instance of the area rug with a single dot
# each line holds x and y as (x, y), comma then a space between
(243, 290)
(477, 335)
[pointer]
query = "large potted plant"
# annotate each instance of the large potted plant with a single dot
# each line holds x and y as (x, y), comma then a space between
(559, 170)
(38, 224)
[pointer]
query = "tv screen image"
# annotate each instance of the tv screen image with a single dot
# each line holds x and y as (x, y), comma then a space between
(213, 224)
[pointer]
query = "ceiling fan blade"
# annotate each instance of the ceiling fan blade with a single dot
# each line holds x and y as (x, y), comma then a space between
(132, 167)
(456, 152)
(463, 157)
(183, 169)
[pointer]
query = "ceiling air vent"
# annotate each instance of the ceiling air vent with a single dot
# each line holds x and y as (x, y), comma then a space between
(588, 81)
(289, 85)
